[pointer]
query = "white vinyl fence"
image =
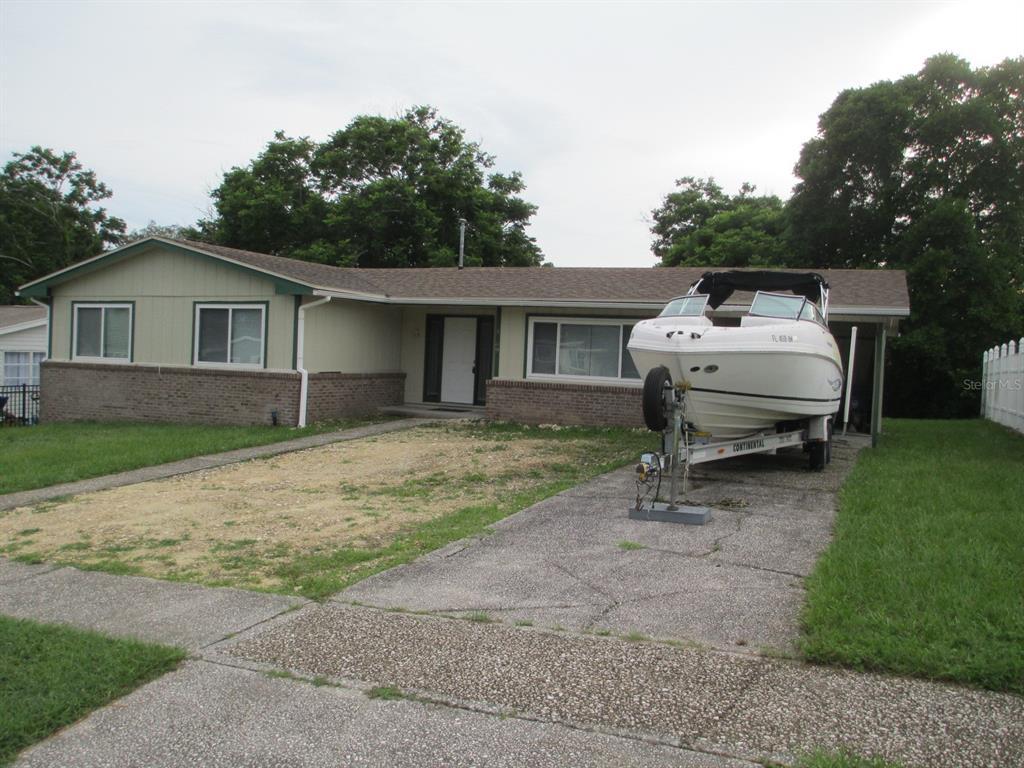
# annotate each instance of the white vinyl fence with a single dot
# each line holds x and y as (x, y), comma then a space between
(1002, 385)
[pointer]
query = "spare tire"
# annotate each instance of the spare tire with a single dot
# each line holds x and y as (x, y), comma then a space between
(654, 398)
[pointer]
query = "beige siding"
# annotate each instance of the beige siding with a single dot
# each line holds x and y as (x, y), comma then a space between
(353, 337)
(164, 285)
(414, 331)
(513, 343)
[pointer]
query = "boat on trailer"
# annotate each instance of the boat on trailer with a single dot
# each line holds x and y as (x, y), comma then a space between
(778, 368)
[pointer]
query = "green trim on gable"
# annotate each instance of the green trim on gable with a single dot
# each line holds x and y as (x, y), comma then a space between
(41, 289)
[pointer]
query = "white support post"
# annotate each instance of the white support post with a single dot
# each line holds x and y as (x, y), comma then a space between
(849, 377)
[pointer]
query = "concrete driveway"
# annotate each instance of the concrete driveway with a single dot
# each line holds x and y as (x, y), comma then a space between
(576, 561)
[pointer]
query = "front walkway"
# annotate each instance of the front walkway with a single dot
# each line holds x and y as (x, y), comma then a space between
(159, 471)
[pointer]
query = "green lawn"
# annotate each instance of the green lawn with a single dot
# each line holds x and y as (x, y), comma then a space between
(841, 760)
(925, 576)
(48, 454)
(51, 676)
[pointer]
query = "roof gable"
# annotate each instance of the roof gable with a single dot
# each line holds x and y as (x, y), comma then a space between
(41, 288)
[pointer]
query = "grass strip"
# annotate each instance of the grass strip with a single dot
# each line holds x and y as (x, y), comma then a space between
(50, 454)
(51, 676)
(925, 575)
(841, 760)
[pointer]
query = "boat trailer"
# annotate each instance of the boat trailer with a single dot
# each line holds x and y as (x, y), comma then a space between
(683, 447)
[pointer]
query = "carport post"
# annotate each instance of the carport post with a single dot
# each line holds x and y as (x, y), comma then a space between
(879, 385)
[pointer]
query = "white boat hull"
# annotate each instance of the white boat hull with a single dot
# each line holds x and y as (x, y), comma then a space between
(747, 379)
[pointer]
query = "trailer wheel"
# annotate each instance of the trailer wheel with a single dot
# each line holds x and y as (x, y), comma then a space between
(818, 453)
(654, 398)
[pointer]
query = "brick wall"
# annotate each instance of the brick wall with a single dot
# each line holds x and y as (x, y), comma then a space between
(340, 395)
(541, 402)
(97, 392)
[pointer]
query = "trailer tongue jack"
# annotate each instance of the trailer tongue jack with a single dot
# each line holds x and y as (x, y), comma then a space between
(683, 447)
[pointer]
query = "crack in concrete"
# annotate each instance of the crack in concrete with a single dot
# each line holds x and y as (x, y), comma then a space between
(613, 602)
(706, 556)
(236, 633)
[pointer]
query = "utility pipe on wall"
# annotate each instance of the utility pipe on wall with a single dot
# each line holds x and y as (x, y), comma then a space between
(300, 363)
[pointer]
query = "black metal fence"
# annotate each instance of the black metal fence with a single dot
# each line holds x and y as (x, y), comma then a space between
(19, 405)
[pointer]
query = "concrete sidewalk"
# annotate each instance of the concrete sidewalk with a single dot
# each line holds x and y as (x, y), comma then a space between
(211, 716)
(185, 615)
(493, 694)
(698, 700)
(25, 498)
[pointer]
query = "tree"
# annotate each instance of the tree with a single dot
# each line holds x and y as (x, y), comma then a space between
(700, 225)
(169, 231)
(926, 174)
(381, 192)
(48, 216)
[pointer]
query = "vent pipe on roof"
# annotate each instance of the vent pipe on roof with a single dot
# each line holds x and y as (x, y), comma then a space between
(462, 241)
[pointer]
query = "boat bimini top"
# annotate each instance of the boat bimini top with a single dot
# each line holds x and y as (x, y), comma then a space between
(714, 288)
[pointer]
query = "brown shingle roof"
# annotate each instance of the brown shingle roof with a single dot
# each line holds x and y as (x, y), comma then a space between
(16, 315)
(628, 285)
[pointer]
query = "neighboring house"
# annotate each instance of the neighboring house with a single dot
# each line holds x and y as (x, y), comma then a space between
(169, 330)
(22, 344)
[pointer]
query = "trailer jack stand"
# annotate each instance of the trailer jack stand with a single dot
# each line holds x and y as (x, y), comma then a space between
(673, 462)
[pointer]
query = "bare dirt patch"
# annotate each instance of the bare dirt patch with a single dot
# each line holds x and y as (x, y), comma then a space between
(240, 523)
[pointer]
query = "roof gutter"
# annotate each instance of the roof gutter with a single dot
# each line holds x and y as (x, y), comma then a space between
(300, 344)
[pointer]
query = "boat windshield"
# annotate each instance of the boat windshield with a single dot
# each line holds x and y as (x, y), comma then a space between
(777, 305)
(811, 312)
(686, 306)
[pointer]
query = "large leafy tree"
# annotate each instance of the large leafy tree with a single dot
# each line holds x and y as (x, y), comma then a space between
(49, 217)
(382, 192)
(698, 224)
(926, 174)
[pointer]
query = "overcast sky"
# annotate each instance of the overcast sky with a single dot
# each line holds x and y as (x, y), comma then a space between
(601, 106)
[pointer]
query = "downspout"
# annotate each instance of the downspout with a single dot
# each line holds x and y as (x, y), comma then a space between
(300, 343)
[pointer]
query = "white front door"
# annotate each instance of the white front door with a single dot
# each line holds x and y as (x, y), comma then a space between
(458, 357)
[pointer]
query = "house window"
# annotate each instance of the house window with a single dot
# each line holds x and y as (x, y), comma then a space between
(580, 348)
(103, 332)
(22, 367)
(230, 334)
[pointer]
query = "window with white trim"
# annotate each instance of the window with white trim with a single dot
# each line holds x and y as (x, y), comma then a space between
(103, 332)
(229, 334)
(22, 367)
(579, 348)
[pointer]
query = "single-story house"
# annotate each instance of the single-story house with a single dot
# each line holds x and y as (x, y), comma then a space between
(23, 341)
(172, 330)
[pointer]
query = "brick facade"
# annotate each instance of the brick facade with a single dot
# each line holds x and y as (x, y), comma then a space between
(180, 394)
(341, 395)
(542, 402)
